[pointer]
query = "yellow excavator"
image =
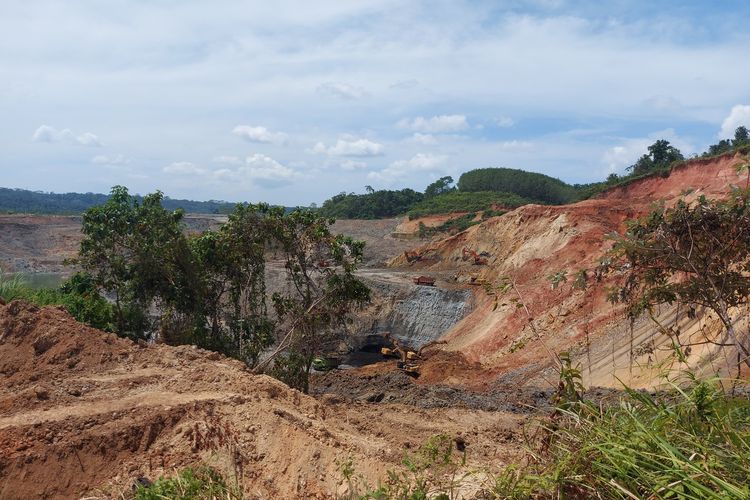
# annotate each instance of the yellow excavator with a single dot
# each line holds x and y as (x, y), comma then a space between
(406, 356)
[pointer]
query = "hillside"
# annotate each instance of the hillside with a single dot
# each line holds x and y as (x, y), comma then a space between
(35, 202)
(533, 242)
(84, 413)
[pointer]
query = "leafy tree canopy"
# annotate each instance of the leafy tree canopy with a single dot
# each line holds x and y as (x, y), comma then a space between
(440, 186)
(532, 186)
(210, 289)
(697, 254)
(660, 156)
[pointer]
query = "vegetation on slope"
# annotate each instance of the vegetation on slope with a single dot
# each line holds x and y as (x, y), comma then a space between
(189, 484)
(372, 205)
(77, 295)
(35, 202)
(533, 186)
(480, 189)
(458, 201)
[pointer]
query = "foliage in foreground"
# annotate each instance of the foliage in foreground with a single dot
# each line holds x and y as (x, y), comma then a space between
(210, 289)
(189, 484)
(694, 254)
(77, 295)
(689, 443)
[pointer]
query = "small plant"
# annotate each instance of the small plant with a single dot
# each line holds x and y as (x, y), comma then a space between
(570, 389)
(189, 484)
(434, 471)
(12, 287)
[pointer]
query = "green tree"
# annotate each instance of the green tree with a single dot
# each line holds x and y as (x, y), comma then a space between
(535, 187)
(128, 249)
(741, 137)
(696, 254)
(723, 146)
(440, 186)
(324, 290)
(661, 154)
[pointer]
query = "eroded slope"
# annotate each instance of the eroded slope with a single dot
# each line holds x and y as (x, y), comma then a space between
(534, 242)
(84, 413)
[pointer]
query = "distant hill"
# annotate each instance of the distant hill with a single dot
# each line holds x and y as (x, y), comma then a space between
(38, 202)
(479, 189)
(530, 185)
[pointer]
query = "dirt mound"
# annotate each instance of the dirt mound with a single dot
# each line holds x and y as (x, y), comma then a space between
(83, 412)
(534, 242)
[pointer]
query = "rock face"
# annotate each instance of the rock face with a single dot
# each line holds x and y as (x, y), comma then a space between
(414, 314)
(425, 313)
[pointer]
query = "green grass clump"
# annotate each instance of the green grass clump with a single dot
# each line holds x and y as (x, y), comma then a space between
(78, 295)
(12, 287)
(189, 484)
(689, 443)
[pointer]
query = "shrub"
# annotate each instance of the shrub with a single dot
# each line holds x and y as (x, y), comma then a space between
(189, 484)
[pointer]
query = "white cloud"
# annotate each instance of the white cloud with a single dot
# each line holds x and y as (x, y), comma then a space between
(350, 146)
(515, 145)
(504, 121)
(420, 162)
(88, 139)
(663, 103)
(425, 139)
(259, 134)
(110, 160)
(257, 169)
(436, 124)
(353, 165)
(45, 133)
(740, 115)
(183, 168)
(342, 90)
(48, 134)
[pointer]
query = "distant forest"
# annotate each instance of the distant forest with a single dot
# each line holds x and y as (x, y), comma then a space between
(37, 202)
(504, 188)
(476, 190)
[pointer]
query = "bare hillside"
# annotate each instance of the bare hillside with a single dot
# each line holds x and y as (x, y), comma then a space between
(534, 242)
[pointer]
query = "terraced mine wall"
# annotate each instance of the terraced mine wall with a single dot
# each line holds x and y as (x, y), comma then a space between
(414, 315)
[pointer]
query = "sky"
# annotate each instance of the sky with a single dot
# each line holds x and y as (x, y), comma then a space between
(292, 102)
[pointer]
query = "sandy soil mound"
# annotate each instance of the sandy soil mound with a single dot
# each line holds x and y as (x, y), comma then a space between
(83, 412)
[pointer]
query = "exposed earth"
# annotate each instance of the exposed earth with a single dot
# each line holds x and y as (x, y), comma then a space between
(84, 413)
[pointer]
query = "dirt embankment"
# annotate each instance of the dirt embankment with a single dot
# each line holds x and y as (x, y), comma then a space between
(84, 413)
(529, 245)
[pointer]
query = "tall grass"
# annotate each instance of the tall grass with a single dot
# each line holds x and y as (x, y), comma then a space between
(78, 295)
(189, 484)
(689, 443)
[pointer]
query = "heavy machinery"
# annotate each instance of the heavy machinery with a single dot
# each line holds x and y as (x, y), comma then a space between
(423, 280)
(478, 259)
(406, 356)
(412, 256)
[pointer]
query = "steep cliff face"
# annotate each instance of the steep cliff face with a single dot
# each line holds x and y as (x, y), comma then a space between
(533, 242)
(415, 315)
